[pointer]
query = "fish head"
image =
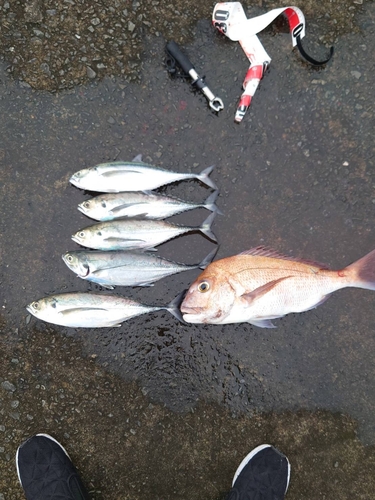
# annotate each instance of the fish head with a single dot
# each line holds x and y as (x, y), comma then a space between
(79, 177)
(85, 206)
(76, 263)
(209, 299)
(96, 208)
(40, 308)
(80, 237)
(34, 308)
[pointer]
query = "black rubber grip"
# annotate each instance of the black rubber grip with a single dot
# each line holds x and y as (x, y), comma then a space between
(174, 50)
(309, 58)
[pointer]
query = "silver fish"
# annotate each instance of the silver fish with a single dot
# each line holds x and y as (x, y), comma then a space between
(93, 310)
(132, 176)
(135, 234)
(123, 268)
(147, 205)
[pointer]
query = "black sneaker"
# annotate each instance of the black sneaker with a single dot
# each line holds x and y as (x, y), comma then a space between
(262, 475)
(46, 472)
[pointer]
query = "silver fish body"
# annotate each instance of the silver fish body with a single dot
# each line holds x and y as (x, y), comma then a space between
(147, 205)
(123, 268)
(131, 176)
(132, 234)
(92, 310)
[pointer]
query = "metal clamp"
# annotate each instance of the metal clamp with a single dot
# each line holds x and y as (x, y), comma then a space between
(175, 52)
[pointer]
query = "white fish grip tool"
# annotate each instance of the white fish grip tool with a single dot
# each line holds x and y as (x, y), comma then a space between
(230, 19)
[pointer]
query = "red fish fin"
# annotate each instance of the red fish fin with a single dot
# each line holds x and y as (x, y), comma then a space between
(262, 290)
(262, 251)
(362, 271)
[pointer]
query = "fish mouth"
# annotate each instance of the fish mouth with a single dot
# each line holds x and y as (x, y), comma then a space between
(190, 310)
(193, 318)
(74, 180)
(30, 309)
(65, 260)
(81, 209)
(76, 239)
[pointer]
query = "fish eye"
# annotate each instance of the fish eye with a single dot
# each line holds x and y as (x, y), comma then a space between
(35, 305)
(104, 204)
(203, 287)
(69, 258)
(81, 234)
(86, 204)
(99, 233)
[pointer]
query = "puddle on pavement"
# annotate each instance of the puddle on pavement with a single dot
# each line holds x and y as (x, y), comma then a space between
(296, 175)
(125, 446)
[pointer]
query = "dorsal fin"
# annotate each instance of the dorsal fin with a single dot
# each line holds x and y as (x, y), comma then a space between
(263, 251)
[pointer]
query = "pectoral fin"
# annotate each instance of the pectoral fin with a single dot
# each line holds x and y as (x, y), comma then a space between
(114, 173)
(76, 310)
(116, 239)
(262, 323)
(98, 273)
(126, 205)
(261, 290)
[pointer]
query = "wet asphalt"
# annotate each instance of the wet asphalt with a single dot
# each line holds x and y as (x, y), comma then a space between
(157, 408)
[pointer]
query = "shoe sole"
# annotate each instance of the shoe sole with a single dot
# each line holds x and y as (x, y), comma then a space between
(252, 454)
(46, 436)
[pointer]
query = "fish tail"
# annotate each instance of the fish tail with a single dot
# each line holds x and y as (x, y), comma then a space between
(205, 228)
(174, 306)
(208, 259)
(203, 177)
(361, 273)
(210, 203)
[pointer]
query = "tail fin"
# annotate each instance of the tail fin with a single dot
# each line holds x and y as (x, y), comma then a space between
(208, 259)
(205, 228)
(174, 306)
(362, 272)
(210, 203)
(203, 177)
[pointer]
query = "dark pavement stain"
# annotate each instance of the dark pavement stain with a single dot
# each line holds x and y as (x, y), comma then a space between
(157, 408)
(57, 45)
(126, 447)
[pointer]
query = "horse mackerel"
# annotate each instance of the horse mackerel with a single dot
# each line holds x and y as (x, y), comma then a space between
(147, 205)
(93, 310)
(132, 234)
(125, 268)
(132, 176)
